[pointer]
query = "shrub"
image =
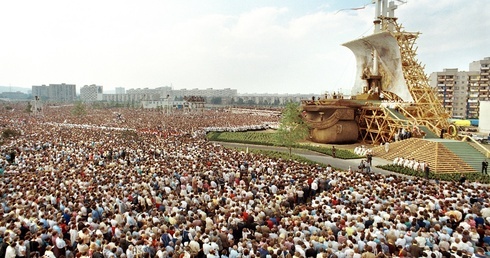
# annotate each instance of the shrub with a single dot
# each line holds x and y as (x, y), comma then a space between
(262, 138)
(454, 177)
(339, 153)
(284, 156)
(259, 138)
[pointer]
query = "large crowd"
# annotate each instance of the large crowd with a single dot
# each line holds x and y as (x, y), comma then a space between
(94, 191)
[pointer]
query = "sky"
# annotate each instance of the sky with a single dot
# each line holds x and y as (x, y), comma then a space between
(254, 46)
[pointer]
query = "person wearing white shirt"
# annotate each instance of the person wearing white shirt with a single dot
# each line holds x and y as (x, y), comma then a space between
(395, 161)
(401, 241)
(400, 162)
(48, 253)
(61, 245)
(73, 234)
(314, 187)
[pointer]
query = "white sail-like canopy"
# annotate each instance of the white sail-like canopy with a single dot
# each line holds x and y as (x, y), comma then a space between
(389, 57)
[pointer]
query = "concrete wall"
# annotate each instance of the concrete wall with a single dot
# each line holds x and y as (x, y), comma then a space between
(484, 123)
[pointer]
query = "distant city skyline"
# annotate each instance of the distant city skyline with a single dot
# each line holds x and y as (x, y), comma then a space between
(256, 46)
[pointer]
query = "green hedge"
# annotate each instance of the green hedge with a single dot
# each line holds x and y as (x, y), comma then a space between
(472, 177)
(261, 138)
(284, 156)
(339, 153)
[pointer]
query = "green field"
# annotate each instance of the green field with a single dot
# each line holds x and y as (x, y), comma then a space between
(268, 139)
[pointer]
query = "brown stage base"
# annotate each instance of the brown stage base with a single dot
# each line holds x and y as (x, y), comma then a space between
(342, 132)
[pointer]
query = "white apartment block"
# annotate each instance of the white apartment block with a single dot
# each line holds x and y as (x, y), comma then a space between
(41, 92)
(269, 99)
(162, 96)
(90, 93)
(209, 92)
(461, 91)
(166, 92)
(120, 90)
(149, 94)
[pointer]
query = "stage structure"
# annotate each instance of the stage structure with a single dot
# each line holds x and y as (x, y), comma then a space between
(391, 92)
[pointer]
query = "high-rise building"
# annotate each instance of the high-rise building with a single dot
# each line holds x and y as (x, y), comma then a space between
(451, 86)
(461, 91)
(41, 92)
(91, 93)
(62, 92)
(478, 85)
(55, 92)
(120, 90)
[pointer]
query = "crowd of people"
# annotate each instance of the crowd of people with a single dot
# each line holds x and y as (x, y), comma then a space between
(93, 191)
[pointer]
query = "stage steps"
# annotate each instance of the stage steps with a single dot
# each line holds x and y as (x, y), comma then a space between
(441, 158)
(397, 115)
(428, 133)
(467, 152)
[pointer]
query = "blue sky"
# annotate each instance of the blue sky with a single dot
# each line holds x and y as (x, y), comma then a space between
(280, 46)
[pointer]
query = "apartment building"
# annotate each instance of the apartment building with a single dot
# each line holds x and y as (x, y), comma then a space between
(40, 91)
(120, 90)
(90, 93)
(269, 99)
(461, 91)
(478, 85)
(226, 95)
(56, 92)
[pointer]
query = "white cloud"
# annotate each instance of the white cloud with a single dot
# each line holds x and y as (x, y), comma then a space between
(264, 48)
(454, 33)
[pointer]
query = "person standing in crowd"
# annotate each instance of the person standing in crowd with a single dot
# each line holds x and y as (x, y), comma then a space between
(484, 167)
(462, 179)
(369, 157)
(426, 171)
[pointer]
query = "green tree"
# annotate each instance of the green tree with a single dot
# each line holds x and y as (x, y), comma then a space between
(292, 128)
(276, 102)
(79, 109)
(216, 100)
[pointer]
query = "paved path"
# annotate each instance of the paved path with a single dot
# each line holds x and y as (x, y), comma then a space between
(319, 157)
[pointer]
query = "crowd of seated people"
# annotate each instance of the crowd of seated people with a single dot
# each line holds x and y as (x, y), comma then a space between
(94, 191)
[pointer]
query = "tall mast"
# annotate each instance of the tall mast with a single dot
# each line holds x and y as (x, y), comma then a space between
(391, 14)
(377, 15)
(377, 29)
